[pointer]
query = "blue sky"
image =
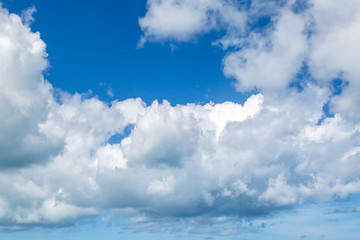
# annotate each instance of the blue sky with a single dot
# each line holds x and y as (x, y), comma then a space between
(166, 119)
(102, 52)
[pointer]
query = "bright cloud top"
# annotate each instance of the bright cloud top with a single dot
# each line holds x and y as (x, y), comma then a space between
(276, 151)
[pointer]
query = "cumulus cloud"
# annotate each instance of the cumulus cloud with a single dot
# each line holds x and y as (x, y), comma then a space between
(214, 161)
(184, 20)
(269, 55)
(24, 95)
(269, 62)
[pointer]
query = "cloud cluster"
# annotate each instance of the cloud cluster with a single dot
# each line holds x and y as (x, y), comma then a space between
(270, 41)
(279, 149)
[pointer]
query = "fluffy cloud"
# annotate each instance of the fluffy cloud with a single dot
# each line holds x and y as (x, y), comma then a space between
(24, 95)
(215, 161)
(311, 33)
(269, 62)
(334, 51)
(184, 20)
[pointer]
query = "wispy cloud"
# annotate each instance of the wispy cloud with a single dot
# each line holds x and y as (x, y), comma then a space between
(27, 15)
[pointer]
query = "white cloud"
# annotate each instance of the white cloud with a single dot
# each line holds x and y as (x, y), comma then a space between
(334, 51)
(24, 95)
(268, 57)
(279, 192)
(275, 151)
(186, 19)
(271, 62)
(175, 19)
(337, 25)
(27, 15)
(51, 212)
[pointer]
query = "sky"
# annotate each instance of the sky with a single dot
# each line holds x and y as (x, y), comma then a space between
(179, 119)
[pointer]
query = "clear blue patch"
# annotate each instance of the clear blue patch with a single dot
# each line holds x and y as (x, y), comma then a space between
(262, 22)
(326, 111)
(301, 78)
(118, 137)
(337, 86)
